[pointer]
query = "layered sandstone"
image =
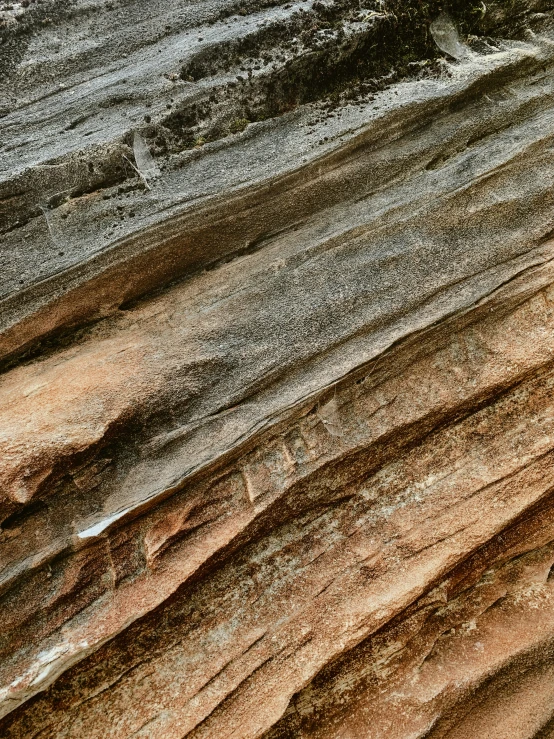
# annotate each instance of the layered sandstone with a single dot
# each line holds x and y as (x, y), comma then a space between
(277, 390)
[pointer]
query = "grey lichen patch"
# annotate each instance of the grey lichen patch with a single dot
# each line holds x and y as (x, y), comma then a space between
(53, 183)
(19, 21)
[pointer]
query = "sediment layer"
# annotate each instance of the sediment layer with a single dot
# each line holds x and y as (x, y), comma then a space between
(276, 398)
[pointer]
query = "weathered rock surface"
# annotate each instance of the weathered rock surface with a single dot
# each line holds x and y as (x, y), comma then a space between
(277, 390)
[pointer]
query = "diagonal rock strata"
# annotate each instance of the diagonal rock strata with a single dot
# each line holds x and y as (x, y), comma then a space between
(276, 451)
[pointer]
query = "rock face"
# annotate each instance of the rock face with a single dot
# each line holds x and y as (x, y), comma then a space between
(277, 353)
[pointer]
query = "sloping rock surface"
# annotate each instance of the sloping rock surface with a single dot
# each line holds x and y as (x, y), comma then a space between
(277, 353)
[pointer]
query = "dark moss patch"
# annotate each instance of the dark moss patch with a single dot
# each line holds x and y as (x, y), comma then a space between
(332, 53)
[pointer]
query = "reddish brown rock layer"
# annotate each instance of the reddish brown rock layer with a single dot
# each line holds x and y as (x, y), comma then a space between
(418, 496)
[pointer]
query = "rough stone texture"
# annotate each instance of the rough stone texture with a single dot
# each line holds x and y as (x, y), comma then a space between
(277, 390)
